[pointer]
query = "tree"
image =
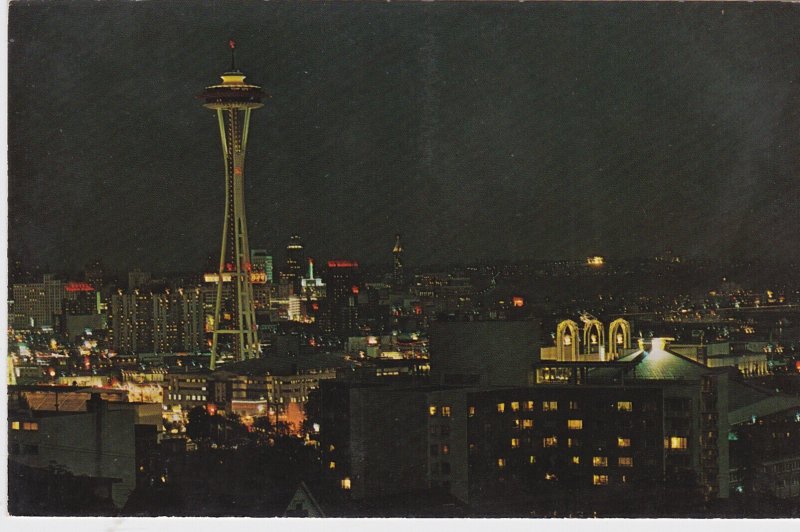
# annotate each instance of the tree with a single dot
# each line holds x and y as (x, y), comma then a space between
(199, 423)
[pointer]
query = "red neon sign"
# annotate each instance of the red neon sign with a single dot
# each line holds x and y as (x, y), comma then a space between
(342, 264)
(78, 287)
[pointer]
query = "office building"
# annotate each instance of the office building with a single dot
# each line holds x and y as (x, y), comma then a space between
(343, 285)
(292, 270)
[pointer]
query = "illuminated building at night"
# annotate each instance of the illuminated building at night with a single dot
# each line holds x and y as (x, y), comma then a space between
(162, 323)
(292, 271)
(37, 305)
(262, 263)
(313, 287)
(131, 319)
(234, 100)
(591, 342)
(582, 435)
(343, 281)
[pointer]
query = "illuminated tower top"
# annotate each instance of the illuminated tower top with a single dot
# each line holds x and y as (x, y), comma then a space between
(398, 279)
(233, 92)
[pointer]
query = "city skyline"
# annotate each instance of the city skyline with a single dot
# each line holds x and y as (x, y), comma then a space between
(482, 260)
(476, 131)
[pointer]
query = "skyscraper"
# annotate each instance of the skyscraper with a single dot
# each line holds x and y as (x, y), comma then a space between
(233, 100)
(343, 281)
(292, 270)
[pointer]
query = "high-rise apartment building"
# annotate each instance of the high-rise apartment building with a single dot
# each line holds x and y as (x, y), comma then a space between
(162, 323)
(131, 318)
(38, 305)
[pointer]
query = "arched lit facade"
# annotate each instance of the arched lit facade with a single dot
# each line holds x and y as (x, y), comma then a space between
(567, 340)
(593, 337)
(619, 338)
(588, 340)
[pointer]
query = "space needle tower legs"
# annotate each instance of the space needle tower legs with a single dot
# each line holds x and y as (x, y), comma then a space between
(234, 313)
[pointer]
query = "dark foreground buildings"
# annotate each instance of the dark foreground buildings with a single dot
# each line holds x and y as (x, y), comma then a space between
(650, 433)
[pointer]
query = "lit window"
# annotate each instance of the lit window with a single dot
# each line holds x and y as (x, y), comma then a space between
(625, 461)
(531, 459)
(332, 465)
(677, 442)
(346, 483)
(515, 406)
(575, 424)
(445, 411)
(471, 411)
(600, 461)
(623, 442)
(445, 449)
(550, 476)
(573, 405)
(514, 443)
(529, 405)
(600, 480)
(501, 463)
(15, 425)
(501, 407)
(527, 423)
(432, 410)
(550, 441)
(30, 426)
(624, 406)
(550, 406)
(576, 460)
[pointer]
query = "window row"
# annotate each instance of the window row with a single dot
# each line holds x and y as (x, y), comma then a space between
(550, 406)
(24, 425)
(187, 397)
(444, 411)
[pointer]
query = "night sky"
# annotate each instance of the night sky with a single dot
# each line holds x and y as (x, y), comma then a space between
(514, 131)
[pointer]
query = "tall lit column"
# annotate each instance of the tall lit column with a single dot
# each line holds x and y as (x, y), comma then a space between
(234, 316)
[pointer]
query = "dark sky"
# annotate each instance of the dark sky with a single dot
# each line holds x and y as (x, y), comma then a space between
(517, 131)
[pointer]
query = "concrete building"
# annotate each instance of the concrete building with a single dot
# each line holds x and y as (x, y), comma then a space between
(100, 441)
(131, 318)
(161, 323)
(38, 305)
(635, 429)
